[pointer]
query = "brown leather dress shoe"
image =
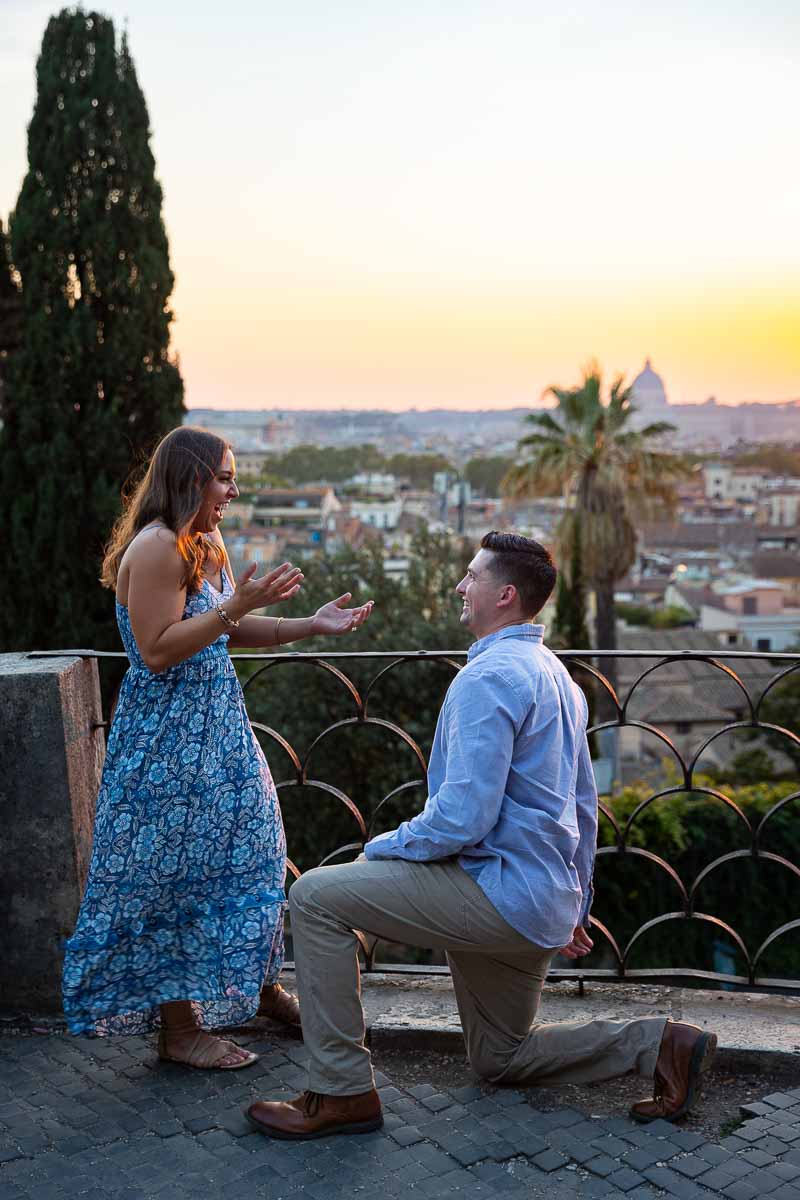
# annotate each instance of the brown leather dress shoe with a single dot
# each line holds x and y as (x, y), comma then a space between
(685, 1054)
(279, 1005)
(313, 1115)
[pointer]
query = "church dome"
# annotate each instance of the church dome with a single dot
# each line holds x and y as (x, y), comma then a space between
(648, 389)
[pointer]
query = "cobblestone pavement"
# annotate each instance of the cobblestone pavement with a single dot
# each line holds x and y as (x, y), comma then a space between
(103, 1119)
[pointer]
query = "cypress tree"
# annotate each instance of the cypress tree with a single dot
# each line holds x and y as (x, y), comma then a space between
(10, 321)
(569, 619)
(561, 615)
(92, 386)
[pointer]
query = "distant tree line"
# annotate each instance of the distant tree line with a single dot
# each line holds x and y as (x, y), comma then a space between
(778, 459)
(309, 463)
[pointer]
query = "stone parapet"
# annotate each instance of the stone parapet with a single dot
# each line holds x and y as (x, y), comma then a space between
(51, 756)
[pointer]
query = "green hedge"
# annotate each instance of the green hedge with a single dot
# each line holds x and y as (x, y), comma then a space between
(690, 830)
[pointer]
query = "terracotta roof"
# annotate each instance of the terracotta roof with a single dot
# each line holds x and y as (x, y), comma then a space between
(699, 535)
(409, 522)
(687, 689)
(656, 586)
(697, 595)
(765, 533)
(672, 706)
(280, 496)
(776, 564)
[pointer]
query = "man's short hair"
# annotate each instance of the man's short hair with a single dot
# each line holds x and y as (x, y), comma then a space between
(526, 564)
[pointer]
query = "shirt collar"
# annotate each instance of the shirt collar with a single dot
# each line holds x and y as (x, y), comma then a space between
(526, 630)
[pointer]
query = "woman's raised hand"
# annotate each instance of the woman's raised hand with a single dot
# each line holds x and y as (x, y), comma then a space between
(280, 584)
(335, 617)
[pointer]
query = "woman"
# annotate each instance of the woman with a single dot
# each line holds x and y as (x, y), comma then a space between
(181, 925)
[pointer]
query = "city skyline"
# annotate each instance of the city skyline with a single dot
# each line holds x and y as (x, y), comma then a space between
(458, 208)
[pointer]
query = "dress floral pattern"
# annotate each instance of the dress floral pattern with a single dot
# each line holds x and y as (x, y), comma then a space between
(184, 898)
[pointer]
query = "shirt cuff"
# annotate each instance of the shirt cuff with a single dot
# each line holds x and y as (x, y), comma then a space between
(373, 848)
(588, 900)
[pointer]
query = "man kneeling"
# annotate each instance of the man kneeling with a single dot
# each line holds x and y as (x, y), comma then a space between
(496, 870)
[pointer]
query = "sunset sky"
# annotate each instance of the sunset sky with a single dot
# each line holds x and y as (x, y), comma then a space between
(458, 203)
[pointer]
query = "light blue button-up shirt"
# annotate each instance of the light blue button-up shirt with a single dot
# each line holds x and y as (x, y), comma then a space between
(511, 790)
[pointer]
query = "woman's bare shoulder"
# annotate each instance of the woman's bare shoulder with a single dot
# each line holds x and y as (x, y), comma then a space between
(155, 547)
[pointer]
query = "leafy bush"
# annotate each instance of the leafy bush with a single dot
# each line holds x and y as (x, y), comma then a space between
(689, 830)
(669, 617)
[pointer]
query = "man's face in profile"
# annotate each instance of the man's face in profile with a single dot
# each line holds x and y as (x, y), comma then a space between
(479, 591)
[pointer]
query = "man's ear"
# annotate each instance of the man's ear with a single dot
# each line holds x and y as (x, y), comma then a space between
(507, 596)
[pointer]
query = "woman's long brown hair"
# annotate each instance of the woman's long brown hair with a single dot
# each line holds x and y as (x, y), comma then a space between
(171, 491)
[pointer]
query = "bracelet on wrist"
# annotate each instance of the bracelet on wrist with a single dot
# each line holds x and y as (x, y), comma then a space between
(227, 620)
(278, 631)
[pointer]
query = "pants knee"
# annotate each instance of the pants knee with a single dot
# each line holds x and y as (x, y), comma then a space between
(489, 1062)
(302, 891)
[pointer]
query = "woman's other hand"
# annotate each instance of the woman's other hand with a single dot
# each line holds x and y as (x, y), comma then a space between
(335, 617)
(281, 584)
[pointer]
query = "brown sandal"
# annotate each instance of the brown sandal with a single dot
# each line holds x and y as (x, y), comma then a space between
(205, 1052)
(279, 1005)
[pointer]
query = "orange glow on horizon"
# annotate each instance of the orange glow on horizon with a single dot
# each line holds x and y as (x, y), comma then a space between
(490, 348)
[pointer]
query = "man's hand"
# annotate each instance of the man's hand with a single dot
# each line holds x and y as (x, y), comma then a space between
(581, 944)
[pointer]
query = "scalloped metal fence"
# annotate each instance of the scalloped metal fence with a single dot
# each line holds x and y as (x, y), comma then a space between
(749, 677)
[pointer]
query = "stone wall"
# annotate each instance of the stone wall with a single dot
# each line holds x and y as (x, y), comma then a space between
(51, 756)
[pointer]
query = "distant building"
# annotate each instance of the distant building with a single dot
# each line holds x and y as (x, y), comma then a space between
(373, 483)
(747, 612)
(735, 538)
(299, 515)
(238, 516)
(345, 530)
(784, 568)
(253, 544)
(422, 505)
(247, 431)
(251, 462)
(649, 396)
(380, 514)
(648, 592)
(780, 506)
(686, 699)
(457, 491)
(711, 425)
(725, 482)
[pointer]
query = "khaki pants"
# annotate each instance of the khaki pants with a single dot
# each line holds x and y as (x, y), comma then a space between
(497, 974)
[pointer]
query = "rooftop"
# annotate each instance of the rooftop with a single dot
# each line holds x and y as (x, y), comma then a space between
(748, 585)
(776, 565)
(687, 689)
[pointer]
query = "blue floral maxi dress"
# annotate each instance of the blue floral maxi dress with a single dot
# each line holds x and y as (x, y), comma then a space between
(184, 898)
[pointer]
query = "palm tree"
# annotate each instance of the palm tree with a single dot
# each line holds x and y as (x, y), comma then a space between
(609, 474)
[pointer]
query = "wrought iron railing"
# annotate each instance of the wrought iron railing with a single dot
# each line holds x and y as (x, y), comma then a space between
(739, 960)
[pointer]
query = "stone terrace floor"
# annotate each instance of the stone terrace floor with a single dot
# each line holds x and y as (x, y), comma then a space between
(104, 1120)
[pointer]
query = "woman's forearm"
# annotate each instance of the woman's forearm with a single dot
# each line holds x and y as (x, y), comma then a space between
(181, 640)
(258, 632)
